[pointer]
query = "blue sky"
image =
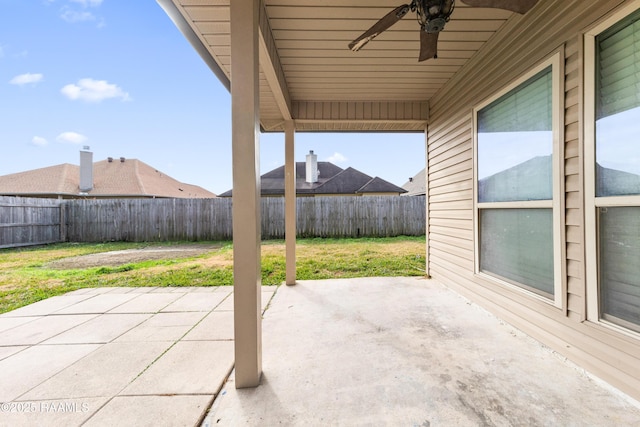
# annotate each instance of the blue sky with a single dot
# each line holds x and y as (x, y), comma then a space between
(119, 77)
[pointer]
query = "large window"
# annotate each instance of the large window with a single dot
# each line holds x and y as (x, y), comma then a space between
(613, 159)
(517, 170)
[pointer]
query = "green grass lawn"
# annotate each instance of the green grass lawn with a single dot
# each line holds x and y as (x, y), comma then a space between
(26, 275)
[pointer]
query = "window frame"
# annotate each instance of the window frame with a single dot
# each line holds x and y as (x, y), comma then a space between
(556, 62)
(593, 203)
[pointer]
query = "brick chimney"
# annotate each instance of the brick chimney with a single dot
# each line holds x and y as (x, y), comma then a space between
(86, 169)
(312, 168)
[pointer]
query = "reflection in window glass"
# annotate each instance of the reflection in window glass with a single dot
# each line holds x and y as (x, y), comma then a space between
(517, 245)
(618, 154)
(618, 109)
(515, 144)
(515, 166)
(620, 265)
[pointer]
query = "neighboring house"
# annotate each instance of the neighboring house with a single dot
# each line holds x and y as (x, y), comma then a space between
(110, 178)
(315, 178)
(417, 185)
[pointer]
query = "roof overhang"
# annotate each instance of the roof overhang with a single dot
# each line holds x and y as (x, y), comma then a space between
(308, 74)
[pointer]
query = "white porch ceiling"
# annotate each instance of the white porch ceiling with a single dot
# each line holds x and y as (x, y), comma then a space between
(308, 74)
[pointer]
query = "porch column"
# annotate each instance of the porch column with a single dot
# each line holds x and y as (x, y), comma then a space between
(246, 192)
(290, 202)
(426, 198)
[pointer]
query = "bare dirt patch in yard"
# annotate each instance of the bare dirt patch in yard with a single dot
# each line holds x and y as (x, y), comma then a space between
(128, 256)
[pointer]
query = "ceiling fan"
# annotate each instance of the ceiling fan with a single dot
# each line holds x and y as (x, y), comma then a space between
(432, 16)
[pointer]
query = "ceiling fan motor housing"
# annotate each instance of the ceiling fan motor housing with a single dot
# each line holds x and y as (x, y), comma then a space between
(434, 25)
(433, 14)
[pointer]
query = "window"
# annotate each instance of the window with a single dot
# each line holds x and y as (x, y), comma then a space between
(613, 163)
(517, 176)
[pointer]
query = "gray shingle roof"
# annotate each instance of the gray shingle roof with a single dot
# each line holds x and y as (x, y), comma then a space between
(379, 185)
(331, 180)
(416, 186)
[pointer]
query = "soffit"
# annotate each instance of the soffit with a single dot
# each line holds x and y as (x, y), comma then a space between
(308, 74)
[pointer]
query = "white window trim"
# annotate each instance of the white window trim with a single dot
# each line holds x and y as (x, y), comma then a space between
(591, 202)
(557, 119)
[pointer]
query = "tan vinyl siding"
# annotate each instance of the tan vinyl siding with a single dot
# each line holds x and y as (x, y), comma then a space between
(574, 197)
(524, 43)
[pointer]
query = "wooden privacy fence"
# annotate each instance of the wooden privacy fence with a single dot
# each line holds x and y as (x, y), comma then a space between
(347, 216)
(148, 220)
(27, 221)
(36, 221)
(141, 220)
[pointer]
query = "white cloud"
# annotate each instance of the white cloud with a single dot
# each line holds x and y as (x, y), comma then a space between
(1, 51)
(26, 78)
(39, 141)
(74, 16)
(88, 3)
(71, 138)
(336, 158)
(75, 11)
(91, 90)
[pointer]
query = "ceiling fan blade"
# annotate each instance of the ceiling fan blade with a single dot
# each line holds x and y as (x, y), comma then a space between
(428, 45)
(518, 6)
(383, 24)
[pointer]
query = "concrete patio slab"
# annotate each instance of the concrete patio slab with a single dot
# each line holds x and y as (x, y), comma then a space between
(47, 306)
(106, 302)
(189, 367)
(119, 290)
(188, 318)
(163, 327)
(101, 329)
(103, 373)
(151, 411)
(145, 290)
(216, 326)
(206, 289)
(198, 301)
(51, 413)
(100, 291)
(407, 351)
(266, 294)
(147, 303)
(41, 329)
(8, 351)
(26, 369)
(7, 323)
(197, 289)
(133, 344)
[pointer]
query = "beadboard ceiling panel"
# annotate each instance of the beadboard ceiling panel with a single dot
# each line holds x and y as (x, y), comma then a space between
(305, 64)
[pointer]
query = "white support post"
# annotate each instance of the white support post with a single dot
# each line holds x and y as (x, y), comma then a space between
(246, 192)
(290, 202)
